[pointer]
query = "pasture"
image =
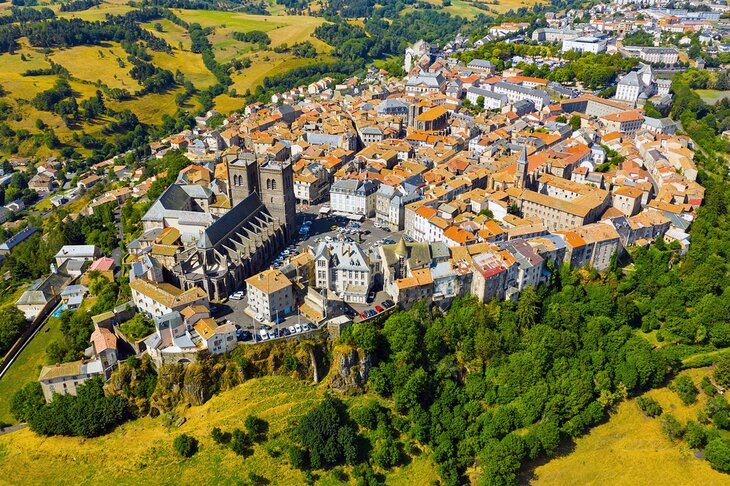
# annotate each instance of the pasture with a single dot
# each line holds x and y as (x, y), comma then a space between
(149, 457)
(630, 448)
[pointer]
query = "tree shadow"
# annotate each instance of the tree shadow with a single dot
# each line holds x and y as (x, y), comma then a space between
(527, 472)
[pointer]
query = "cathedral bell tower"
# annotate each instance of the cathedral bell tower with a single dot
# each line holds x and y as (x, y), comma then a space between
(276, 183)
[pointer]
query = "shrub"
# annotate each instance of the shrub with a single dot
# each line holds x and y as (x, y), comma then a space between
(686, 389)
(707, 387)
(185, 445)
(256, 427)
(386, 452)
(671, 427)
(649, 406)
(219, 436)
(695, 435)
(717, 454)
(298, 458)
(240, 442)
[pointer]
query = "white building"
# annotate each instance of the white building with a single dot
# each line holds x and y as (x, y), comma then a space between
(270, 295)
(590, 44)
(353, 197)
(159, 299)
(343, 268)
(492, 101)
(79, 253)
(516, 92)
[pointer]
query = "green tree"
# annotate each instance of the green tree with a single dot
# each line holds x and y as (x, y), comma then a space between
(27, 401)
(575, 122)
(527, 309)
(686, 389)
(185, 445)
(717, 454)
(722, 372)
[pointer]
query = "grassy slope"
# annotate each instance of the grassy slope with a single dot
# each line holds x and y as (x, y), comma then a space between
(28, 365)
(149, 457)
(631, 449)
(712, 96)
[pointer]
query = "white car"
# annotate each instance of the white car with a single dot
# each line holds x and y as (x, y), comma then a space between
(292, 329)
(264, 335)
(259, 317)
(306, 327)
(298, 327)
(236, 296)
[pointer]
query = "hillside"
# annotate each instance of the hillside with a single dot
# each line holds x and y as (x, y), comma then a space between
(141, 451)
(630, 448)
(106, 65)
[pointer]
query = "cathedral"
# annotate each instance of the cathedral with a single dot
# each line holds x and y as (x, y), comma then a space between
(247, 237)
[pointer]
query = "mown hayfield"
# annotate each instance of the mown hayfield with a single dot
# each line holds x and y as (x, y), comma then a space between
(141, 451)
(96, 13)
(227, 104)
(172, 33)
(281, 29)
(712, 96)
(98, 63)
(631, 449)
(189, 63)
(267, 64)
(151, 107)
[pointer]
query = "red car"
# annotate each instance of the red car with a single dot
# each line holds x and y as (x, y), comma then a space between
(363, 316)
(379, 309)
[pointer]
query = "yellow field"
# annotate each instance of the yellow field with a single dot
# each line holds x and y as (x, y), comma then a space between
(227, 104)
(96, 63)
(189, 63)
(172, 33)
(96, 13)
(281, 29)
(268, 64)
(631, 449)
(141, 451)
(151, 107)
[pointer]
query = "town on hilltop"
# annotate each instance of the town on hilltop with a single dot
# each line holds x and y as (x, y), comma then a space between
(339, 201)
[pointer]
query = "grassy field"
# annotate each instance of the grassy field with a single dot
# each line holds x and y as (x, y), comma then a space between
(26, 367)
(148, 455)
(28, 364)
(108, 7)
(172, 33)
(98, 64)
(712, 96)
(189, 63)
(630, 448)
(467, 9)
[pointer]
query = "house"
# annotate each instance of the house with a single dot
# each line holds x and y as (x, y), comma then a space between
(78, 253)
(7, 246)
(343, 268)
(158, 299)
(353, 196)
(64, 379)
(270, 295)
(41, 294)
(73, 295)
(218, 339)
(104, 347)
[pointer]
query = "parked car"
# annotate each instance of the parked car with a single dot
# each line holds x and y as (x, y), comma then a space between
(362, 315)
(306, 327)
(235, 297)
(244, 336)
(292, 329)
(285, 332)
(264, 335)
(388, 303)
(334, 227)
(379, 309)
(298, 327)
(371, 296)
(372, 313)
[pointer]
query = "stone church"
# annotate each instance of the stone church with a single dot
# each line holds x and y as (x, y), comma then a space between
(247, 237)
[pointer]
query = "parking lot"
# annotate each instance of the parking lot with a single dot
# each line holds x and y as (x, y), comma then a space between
(365, 233)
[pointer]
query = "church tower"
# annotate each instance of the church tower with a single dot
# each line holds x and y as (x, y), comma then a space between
(242, 178)
(521, 170)
(276, 180)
